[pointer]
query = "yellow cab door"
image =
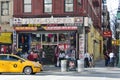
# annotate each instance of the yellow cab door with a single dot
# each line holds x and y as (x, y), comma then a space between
(15, 64)
(4, 63)
(4, 66)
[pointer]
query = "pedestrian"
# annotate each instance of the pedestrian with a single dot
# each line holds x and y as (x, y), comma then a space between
(19, 52)
(86, 59)
(73, 52)
(91, 61)
(56, 56)
(2, 49)
(106, 56)
(43, 57)
(112, 57)
(30, 56)
(61, 57)
(25, 55)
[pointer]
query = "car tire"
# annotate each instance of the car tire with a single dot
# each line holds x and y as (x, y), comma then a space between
(27, 70)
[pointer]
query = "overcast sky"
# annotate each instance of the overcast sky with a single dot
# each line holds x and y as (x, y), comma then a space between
(112, 7)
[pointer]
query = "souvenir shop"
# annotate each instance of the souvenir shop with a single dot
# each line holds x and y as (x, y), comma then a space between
(47, 36)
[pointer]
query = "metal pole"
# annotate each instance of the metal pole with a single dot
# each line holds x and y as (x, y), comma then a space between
(77, 51)
(119, 53)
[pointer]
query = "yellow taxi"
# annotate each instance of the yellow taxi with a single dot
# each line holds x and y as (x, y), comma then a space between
(13, 63)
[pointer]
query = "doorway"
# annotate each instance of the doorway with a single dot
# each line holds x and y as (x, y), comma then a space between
(49, 50)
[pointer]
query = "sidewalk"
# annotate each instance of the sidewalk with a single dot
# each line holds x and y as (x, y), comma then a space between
(98, 72)
(99, 65)
(51, 68)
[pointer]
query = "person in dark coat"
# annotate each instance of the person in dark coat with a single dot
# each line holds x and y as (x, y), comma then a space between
(106, 56)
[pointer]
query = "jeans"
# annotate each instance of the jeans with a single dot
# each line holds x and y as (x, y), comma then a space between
(112, 62)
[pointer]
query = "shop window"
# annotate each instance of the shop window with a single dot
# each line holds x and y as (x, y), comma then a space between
(73, 38)
(23, 42)
(69, 38)
(36, 37)
(64, 38)
(49, 38)
(61, 37)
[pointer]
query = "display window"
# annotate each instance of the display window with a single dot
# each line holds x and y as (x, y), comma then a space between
(36, 41)
(49, 38)
(53, 39)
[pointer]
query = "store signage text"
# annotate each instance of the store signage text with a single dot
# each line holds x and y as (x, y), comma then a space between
(75, 24)
(60, 28)
(107, 34)
(61, 20)
(81, 45)
(116, 42)
(14, 37)
(5, 37)
(34, 25)
(39, 25)
(25, 28)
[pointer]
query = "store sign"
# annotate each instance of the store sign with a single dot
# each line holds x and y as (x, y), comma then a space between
(25, 28)
(63, 46)
(60, 28)
(60, 20)
(6, 38)
(107, 34)
(81, 46)
(116, 42)
(14, 37)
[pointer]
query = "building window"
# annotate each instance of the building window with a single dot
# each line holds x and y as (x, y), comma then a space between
(68, 5)
(47, 6)
(5, 8)
(27, 5)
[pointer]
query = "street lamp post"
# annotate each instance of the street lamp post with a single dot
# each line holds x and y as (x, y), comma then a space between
(118, 31)
(119, 52)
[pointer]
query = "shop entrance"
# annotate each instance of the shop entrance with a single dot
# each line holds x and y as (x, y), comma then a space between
(49, 50)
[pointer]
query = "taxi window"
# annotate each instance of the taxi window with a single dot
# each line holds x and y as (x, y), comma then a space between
(12, 58)
(8, 58)
(3, 57)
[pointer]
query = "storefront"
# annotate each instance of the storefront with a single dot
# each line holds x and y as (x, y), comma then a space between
(49, 33)
(6, 42)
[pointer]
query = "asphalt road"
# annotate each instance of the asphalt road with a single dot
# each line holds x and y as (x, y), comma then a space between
(97, 73)
(54, 73)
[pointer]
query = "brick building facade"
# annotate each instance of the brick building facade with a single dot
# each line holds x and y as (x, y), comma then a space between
(79, 19)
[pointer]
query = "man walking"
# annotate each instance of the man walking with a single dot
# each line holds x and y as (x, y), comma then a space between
(111, 55)
(86, 59)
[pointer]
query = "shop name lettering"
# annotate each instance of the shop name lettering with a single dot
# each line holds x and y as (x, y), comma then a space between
(57, 20)
(43, 20)
(39, 25)
(34, 25)
(52, 25)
